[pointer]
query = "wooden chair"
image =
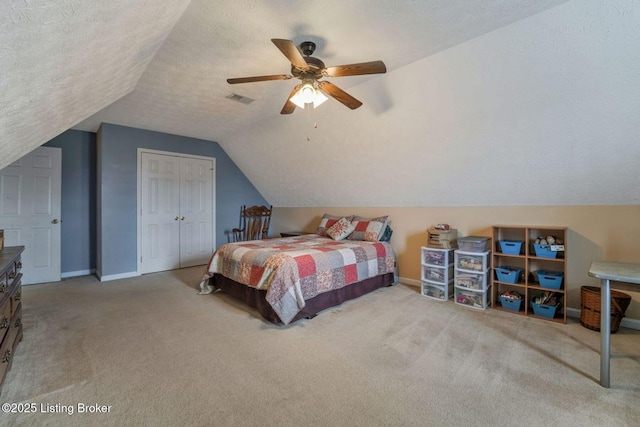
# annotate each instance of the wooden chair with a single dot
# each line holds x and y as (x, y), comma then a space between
(254, 222)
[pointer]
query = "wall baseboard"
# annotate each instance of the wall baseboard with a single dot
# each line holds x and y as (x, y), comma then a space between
(625, 322)
(77, 273)
(411, 282)
(110, 277)
(571, 312)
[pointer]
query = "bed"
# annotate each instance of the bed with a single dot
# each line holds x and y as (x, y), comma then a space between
(290, 278)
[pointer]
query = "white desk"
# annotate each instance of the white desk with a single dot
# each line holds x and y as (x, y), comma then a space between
(606, 272)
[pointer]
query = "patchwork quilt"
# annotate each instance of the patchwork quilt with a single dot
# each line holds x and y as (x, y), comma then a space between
(295, 269)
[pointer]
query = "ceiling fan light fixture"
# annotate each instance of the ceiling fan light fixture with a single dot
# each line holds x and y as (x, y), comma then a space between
(320, 98)
(306, 95)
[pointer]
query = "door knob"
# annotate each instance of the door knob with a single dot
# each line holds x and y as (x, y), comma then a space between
(177, 218)
(182, 218)
(54, 221)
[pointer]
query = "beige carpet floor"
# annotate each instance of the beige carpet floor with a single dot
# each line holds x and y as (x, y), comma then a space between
(158, 354)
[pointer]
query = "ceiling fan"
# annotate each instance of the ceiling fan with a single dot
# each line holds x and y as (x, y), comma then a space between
(310, 70)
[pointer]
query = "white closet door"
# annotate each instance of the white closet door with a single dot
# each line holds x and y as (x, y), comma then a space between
(30, 212)
(176, 211)
(196, 211)
(160, 212)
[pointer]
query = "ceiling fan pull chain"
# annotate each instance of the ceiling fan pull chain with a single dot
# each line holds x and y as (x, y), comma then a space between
(309, 118)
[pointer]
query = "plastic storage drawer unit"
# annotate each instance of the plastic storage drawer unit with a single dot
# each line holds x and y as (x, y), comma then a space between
(469, 298)
(437, 257)
(472, 261)
(474, 244)
(440, 275)
(438, 292)
(479, 281)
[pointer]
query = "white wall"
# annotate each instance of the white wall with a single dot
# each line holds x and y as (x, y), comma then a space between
(542, 112)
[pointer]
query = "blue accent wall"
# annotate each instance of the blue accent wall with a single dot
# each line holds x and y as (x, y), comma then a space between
(117, 154)
(78, 201)
(99, 172)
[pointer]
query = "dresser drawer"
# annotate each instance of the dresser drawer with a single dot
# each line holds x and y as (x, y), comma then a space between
(6, 354)
(4, 284)
(16, 295)
(11, 328)
(5, 320)
(15, 329)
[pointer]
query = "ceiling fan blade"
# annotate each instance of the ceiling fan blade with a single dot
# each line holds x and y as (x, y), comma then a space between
(291, 52)
(373, 67)
(259, 78)
(340, 95)
(290, 106)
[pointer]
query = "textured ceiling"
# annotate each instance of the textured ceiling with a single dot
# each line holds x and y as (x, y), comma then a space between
(69, 63)
(184, 87)
(62, 61)
(162, 66)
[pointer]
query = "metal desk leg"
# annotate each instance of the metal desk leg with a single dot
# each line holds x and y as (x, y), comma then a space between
(605, 331)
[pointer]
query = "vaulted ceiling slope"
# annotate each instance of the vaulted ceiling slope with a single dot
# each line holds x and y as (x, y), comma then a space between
(481, 97)
(63, 61)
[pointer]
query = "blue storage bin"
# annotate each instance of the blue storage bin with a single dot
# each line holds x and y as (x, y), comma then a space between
(543, 310)
(511, 303)
(550, 279)
(511, 247)
(508, 274)
(544, 251)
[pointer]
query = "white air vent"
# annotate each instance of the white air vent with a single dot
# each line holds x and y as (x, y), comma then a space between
(240, 98)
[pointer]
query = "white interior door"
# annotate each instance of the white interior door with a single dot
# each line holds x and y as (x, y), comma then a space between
(30, 212)
(160, 212)
(196, 211)
(176, 211)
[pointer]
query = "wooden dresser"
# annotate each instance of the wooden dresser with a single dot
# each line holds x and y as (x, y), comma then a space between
(10, 307)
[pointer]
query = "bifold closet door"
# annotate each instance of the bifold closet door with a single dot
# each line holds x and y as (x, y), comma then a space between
(160, 211)
(196, 211)
(176, 212)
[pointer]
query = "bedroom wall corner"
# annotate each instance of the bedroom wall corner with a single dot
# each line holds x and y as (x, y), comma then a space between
(117, 182)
